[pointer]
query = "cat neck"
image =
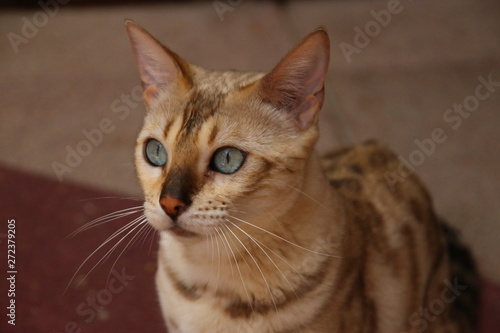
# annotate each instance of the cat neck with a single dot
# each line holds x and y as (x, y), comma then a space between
(312, 199)
(315, 216)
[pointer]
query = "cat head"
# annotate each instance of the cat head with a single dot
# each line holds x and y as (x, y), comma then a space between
(221, 146)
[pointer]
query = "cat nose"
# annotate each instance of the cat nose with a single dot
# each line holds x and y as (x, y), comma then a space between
(172, 206)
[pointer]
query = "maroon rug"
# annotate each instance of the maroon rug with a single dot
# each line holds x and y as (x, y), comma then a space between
(45, 213)
(118, 295)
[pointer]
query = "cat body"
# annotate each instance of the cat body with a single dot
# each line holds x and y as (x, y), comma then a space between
(258, 233)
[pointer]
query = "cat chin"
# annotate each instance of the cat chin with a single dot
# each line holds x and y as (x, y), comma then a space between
(181, 232)
(160, 224)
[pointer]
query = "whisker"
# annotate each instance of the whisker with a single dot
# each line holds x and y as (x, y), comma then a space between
(107, 218)
(145, 235)
(227, 251)
(285, 261)
(115, 234)
(278, 222)
(241, 256)
(144, 232)
(283, 239)
(306, 195)
(110, 251)
(153, 233)
(236, 211)
(111, 197)
(256, 264)
(238, 267)
(267, 255)
(218, 265)
(144, 225)
(121, 230)
(212, 253)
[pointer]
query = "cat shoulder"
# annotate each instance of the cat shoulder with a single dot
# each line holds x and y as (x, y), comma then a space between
(372, 164)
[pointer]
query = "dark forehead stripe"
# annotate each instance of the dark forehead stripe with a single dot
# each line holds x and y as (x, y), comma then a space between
(213, 134)
(167, 128)
(199, 109)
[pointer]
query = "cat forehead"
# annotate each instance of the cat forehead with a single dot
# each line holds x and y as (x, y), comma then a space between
(214, 82)
(208, 93)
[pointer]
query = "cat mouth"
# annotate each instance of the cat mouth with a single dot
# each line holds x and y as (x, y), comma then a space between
(181, 232)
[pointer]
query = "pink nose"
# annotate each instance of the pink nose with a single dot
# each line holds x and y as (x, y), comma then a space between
(172, 206)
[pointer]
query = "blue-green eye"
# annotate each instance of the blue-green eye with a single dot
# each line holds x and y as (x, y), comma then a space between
(227, 160)
(155, 153)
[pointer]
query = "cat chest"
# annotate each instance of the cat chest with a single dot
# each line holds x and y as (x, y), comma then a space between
(198, 313)
(190, 311)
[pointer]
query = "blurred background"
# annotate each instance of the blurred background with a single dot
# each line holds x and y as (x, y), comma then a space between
(70, 110)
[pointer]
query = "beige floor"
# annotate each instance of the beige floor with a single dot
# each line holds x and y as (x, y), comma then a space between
(70, 73)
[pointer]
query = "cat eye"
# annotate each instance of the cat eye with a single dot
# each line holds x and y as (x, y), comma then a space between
(156, 153)
(227, 160)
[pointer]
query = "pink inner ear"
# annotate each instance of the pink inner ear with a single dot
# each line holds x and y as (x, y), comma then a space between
(296, 84)
(316, 79)
(308, 110)
(157, 68)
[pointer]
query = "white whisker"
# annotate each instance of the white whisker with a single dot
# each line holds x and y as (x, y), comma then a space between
(107, 218)
(146, 234)
(114, 235)
(218, 265)
(283, 239)
(227, 251)
(238, 268)
(236, 211)
(306, 195)
(153, 233)
(111, 197)
(242, 257)
(212, 252)
(256, 264)
(110, 251)
(284, 260)
(267, 255)
(144, 224)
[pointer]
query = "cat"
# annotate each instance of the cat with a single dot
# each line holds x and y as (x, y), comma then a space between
(259, 234)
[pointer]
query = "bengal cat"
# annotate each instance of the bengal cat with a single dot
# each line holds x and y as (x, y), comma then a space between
(259, 234)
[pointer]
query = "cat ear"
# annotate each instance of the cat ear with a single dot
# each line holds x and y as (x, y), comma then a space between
(296, 84)
(159, 67)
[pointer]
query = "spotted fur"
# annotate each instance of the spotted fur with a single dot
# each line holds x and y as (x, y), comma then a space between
(290, 243)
